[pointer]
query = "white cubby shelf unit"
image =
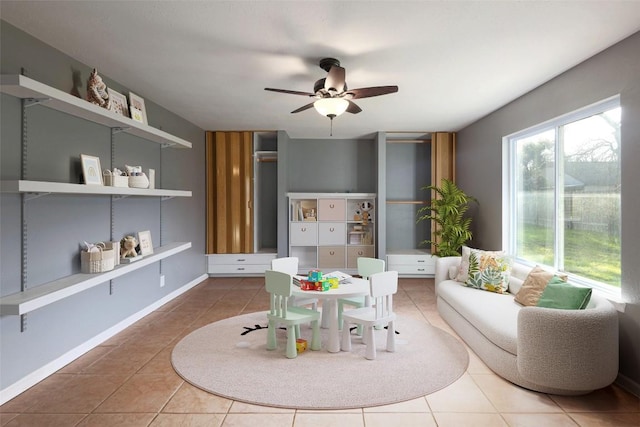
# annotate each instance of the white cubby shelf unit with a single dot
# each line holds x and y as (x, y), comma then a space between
(33, 92)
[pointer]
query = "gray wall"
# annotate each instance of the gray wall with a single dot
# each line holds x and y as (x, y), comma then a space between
(58, 224)
(332, 165)
(479, 165)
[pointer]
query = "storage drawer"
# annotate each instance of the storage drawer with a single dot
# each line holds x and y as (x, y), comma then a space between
(304, 234)
(411, 259)
(331, 257)
(412, 270)
(355, 252)
(332, 233)
(236, 269)
(331, 209)
(240, 259)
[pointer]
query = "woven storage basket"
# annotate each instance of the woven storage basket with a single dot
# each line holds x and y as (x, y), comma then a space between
(97, 262)
(139, 181)
(115, 246)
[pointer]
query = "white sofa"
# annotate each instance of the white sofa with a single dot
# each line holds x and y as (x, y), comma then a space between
(566, 352)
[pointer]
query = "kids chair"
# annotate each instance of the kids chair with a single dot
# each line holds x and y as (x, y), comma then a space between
(289, 265)
(278, 285)
(383, 286)
(366, 267)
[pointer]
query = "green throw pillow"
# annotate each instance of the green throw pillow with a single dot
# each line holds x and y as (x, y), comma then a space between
(560, 294)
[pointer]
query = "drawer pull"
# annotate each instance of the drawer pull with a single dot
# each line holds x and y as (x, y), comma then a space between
(332, 252)
(421, 269)
(240, 268)
(241, 260)
(420, 260)
(360, 253)
(332, 206)
(303, 229)
(332, 229)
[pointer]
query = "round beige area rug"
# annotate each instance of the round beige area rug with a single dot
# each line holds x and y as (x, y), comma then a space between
(229, 358)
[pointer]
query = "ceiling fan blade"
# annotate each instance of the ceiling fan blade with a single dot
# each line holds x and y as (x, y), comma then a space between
(291, 92)
(305, 107)
(368, 92)
(335, 79)
(353, 108)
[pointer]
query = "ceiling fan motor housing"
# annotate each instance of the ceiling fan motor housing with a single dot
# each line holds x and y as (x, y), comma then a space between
(318, 87)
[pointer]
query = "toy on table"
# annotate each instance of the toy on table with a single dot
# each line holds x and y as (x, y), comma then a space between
(315, 282)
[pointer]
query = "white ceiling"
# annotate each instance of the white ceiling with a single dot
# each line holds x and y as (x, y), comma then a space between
(209, 61)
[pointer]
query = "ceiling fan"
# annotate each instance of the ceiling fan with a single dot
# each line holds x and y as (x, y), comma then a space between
(332, 95)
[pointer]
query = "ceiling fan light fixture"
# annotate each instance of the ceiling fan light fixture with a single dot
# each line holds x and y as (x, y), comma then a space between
(331, 107)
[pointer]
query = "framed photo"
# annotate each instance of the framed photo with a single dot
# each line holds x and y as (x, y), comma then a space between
(144, 240)
(118, 103)
(137, 108)
(91, 170)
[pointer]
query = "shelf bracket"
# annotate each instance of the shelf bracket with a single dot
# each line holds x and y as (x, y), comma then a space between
(110, 287)
(163, 198)
(28, 102)
(117, 197)
(23, 322)
(119, 129)
(167, 144)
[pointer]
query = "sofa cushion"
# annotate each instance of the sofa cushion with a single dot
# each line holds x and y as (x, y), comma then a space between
(559, 294)
(489, 271)
(533, 286)
(493, 315)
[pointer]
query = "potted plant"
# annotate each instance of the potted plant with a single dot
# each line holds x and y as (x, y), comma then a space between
(450, 228)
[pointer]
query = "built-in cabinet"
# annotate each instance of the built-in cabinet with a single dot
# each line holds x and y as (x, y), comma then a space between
(330, 231)
(35, 93)
(241, 202)
(412, 160)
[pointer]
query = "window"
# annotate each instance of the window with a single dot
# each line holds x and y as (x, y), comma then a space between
(564, 195)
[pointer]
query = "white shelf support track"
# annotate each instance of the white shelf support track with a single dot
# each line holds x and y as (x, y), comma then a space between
(49, 293)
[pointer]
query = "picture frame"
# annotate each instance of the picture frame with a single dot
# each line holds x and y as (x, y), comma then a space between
(119, 103)
(144, 240)
(91, 170)
(138, 108)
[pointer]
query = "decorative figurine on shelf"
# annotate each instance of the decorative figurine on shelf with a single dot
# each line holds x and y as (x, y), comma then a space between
(358, 215)
(366, 208)
(128, 245)
(97, 91)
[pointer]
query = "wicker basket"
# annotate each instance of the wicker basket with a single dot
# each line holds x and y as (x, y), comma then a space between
(97, 262)
(115, 246)
(139, 181)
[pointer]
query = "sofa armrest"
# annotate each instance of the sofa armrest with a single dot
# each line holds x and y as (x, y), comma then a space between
(442, 267)
(569, 349)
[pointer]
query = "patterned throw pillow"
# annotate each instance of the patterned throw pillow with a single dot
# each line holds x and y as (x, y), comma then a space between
(489, 271)
(463, 271)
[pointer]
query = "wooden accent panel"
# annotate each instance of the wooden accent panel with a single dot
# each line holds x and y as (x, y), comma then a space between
(443, 157)
(443, 163)
(229, 158)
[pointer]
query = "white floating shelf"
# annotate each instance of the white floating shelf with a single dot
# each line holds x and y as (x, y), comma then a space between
(66, 188)
(48, 293)
(25, 88)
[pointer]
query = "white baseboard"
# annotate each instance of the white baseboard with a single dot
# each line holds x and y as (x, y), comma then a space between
(40, 374)
(628, 384)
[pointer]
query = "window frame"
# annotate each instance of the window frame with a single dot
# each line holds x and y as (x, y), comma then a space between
(508, 188)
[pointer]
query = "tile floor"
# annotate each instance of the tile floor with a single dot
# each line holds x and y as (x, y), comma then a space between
(129, 381)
